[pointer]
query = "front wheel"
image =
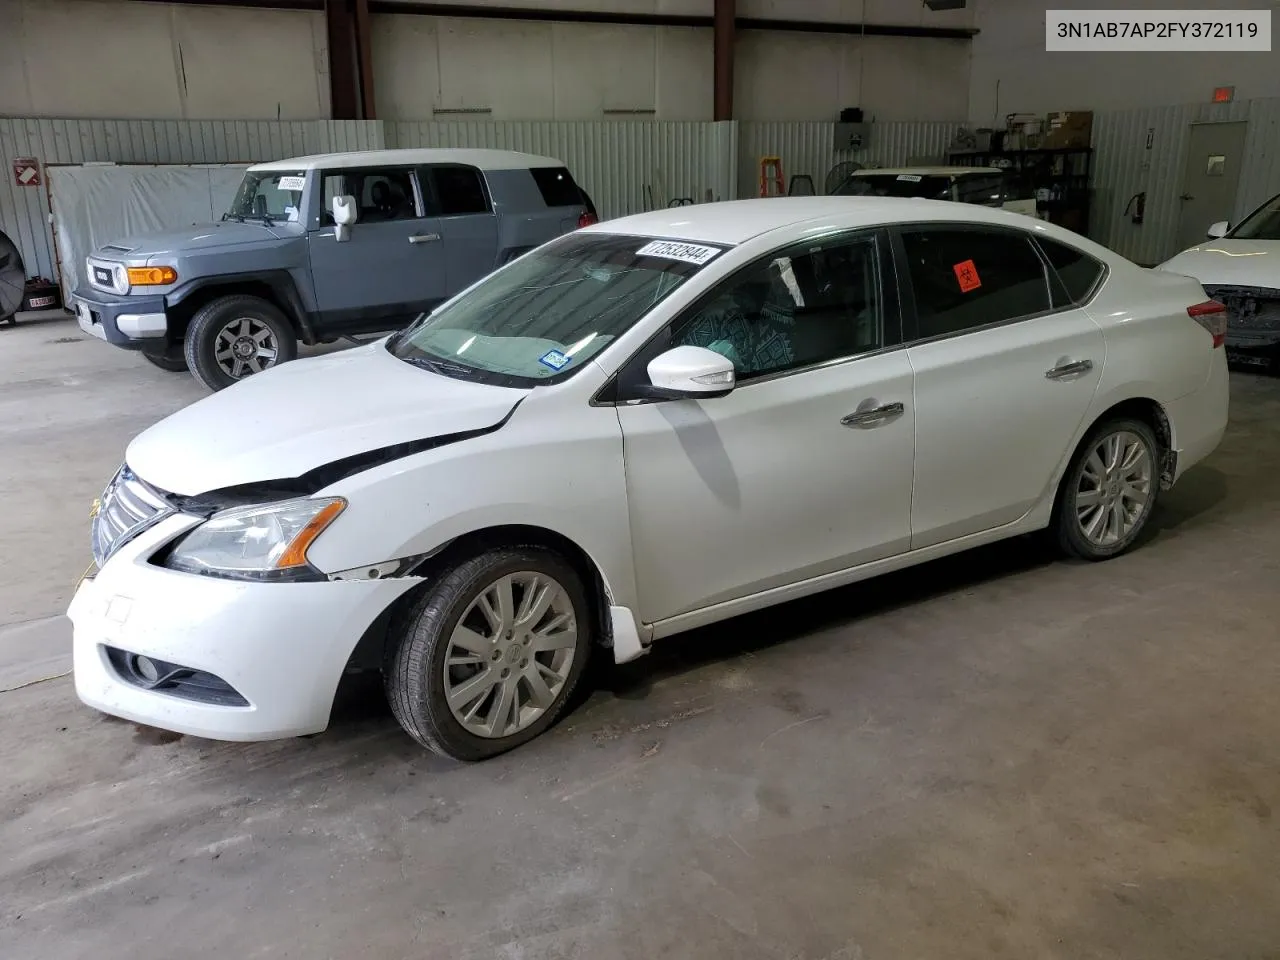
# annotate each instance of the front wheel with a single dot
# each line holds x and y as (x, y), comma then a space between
(1109, 490)
(489, 656)
(235, 337)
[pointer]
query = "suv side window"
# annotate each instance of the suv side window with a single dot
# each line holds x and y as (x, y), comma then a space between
(964, 278)
(986, 189)
(1078, 272)
(456, 190)
(808, 304)
(382, 193)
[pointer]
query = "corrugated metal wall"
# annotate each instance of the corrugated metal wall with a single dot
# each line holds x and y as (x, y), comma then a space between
(808, 148)
(627, 166)
(24, 211)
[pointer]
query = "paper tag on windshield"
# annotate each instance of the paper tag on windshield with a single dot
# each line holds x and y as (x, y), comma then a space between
(674, 250)
(910, 177)
(291, 183)
(554, 359)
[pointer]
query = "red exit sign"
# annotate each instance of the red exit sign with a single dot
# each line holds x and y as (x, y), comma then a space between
(1224, 94)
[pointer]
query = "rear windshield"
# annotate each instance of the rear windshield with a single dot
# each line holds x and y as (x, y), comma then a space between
(557, 187)
(901, 185)
(544, 315)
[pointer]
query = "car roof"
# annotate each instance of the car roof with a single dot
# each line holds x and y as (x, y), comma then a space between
(924, 171)
(735, 221)
(484, 159)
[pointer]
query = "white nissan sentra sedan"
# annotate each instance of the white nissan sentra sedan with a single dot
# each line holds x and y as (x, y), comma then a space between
(639, 428)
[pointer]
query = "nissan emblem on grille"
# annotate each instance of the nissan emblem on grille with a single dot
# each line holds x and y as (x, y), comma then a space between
(126, 508)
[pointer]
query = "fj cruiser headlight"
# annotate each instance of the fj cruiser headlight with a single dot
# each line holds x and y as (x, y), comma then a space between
(262, 542)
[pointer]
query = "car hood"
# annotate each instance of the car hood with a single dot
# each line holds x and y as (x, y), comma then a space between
(284, 422)
(1249, 263)
(195, 237)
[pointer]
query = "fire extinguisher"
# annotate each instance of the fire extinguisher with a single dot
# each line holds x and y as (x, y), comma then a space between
(1136, 208)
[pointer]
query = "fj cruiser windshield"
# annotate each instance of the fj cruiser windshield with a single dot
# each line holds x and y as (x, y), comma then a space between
(1262, 224)
(268, 195)
(544, 315)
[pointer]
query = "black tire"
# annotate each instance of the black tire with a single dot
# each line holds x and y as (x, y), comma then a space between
(174, 362)
(208, 323)
(1066, 524)
(11, 320)
(414, 669)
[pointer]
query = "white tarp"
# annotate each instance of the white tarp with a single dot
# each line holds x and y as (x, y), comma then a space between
(96, 204)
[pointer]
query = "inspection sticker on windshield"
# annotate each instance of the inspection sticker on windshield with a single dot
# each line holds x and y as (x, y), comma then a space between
(672, 250)
(554, 359)
(910, 177)
(291, 183)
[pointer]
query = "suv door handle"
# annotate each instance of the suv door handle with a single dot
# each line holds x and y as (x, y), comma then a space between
(424, 237)
(1069, 370)
(866, 416)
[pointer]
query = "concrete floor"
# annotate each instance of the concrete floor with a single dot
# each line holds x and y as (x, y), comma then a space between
(991, 756)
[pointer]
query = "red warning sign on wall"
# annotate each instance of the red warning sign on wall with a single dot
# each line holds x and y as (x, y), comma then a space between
(26, 172)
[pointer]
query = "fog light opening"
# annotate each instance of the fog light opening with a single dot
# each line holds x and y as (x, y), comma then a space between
(146, 669)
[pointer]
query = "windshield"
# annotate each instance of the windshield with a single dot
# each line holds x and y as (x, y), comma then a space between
(268, 195)
(544, 315)
(901, 185)
(1262, 224)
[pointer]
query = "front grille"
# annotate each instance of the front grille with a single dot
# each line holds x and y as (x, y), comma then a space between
(126, 508)
(1249, 308)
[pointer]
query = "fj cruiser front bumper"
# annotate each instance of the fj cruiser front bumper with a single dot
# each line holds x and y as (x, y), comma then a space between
(134, 323)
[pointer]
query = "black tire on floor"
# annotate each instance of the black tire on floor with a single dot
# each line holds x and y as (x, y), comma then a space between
(11, 319)
(174, 362)
(414, 667)
(1065, 526)
(214, 316)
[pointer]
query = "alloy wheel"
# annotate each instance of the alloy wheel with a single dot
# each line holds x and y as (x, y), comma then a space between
(1115, 488)
(244, 346)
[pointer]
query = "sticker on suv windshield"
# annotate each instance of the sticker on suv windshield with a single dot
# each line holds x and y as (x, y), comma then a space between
(554, 359)
(910, 177)
(291, 183)
(674, 250)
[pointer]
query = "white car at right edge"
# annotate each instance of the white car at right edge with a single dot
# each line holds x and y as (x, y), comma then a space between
(639, 428)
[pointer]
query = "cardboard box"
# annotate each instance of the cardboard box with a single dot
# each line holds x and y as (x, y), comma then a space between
(1068, 131)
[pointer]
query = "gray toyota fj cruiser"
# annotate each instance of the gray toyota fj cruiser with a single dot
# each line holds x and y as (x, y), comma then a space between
(318, 248)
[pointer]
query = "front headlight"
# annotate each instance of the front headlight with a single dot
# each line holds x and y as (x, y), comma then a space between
(262, 542)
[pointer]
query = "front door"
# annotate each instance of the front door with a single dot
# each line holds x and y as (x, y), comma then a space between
(1006, 368)
(392, 266)
(805, 468)
(456, 194)
(1215, 153)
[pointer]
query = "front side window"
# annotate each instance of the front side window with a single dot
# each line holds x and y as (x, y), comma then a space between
(896, 185)
(964, 278)
(1262, 224)
(274, 195)
(382, 193)
(457, 191)
(811, 304)
(550, 311)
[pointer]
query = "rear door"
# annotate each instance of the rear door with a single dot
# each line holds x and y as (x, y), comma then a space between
(458, 196)
(391, 268)
(1006, 367)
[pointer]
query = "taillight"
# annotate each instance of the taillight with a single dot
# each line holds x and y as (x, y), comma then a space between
(1211, 315)
(587, 219)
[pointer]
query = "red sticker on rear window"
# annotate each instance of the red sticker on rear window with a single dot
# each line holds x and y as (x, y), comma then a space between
(967, 276)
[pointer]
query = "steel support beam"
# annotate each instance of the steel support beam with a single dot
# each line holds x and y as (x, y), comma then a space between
(722, 43)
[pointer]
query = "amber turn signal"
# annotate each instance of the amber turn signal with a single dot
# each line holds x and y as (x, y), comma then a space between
(152, 276)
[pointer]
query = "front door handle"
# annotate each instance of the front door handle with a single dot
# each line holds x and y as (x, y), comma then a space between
(870, 414)
(1069, 369)
(424, 237)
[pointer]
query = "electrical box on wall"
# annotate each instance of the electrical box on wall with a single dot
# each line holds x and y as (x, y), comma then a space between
(852, 136)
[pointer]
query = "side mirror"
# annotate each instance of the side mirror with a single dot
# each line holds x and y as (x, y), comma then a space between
(344, 215)
(691, 372)
(1219, 230)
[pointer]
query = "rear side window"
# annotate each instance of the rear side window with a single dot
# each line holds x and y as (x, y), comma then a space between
(966, 278)
(557, 187)
(1078, 272)
(457, 190)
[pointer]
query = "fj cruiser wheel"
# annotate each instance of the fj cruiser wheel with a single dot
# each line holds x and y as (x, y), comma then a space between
(235, 337)
(1109, 490)
(171, 360)
(488, 657)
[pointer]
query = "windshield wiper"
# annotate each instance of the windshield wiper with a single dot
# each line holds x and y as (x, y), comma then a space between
(232, 216)
(440, 365)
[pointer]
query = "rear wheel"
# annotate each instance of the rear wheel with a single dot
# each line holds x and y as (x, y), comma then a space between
(235, 337)
(489, 656)
(1109, 490)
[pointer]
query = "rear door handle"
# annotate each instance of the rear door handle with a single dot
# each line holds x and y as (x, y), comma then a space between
(1069, 370)
(424, 237)
(870, 414)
